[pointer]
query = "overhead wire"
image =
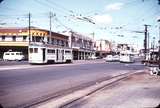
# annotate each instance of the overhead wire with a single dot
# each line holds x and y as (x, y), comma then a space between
(64, 11)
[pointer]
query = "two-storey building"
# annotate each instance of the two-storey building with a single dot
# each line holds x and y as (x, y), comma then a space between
(17, 39)
(82, 45)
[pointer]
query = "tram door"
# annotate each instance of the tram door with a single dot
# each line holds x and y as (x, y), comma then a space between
(57, 54)
(44, 54)
(62, 55)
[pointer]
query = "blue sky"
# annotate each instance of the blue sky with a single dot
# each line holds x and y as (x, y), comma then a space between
(114, 20)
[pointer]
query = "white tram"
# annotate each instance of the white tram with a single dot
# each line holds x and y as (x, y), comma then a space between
(41, 54)
(126, 57)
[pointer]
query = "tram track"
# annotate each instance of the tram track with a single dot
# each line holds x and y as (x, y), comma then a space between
(71, 91)
(60, 93)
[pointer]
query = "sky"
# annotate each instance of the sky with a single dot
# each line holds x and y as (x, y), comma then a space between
(114, 20)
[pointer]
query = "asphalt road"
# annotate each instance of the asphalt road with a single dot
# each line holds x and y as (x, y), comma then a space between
(11, 63)
(21, 87)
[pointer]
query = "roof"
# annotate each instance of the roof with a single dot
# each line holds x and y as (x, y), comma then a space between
(25, 29)
(12, 30)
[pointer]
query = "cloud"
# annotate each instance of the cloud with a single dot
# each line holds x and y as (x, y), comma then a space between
(114, 6)
(103, 19)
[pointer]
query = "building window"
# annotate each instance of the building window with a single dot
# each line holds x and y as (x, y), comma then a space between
(24, 38)
(67, 44)
(57, 42)
(14, 38)
(52, 41)
(48, 39)
(33, 38)
(38, 39)
(3, 38)
(62, 43)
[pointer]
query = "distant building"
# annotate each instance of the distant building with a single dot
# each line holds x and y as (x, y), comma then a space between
(17, 39)
(103, 47)
(129, 47)
(82, 45)
(122, 47)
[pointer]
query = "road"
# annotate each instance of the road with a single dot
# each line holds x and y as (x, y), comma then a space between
(11, 63)
(25, 86)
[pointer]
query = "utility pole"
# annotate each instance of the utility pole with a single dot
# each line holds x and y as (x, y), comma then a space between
(145, 39)
(70, 39)
(29, 27)
(148, 42)
(153, 43)
(94, 43)
(159, 45)
(50, 26)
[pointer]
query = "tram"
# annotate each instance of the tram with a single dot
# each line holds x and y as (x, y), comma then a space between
(45, 53)
(126, 57)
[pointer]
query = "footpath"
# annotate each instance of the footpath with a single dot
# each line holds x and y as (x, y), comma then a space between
(140, 90)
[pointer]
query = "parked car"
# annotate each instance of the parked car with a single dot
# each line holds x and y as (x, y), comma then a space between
(92, 57)
(110, 58)
(115, 58)
(13, 56)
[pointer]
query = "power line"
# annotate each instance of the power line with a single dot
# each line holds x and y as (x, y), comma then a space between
(48, 5)
(60, 6)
